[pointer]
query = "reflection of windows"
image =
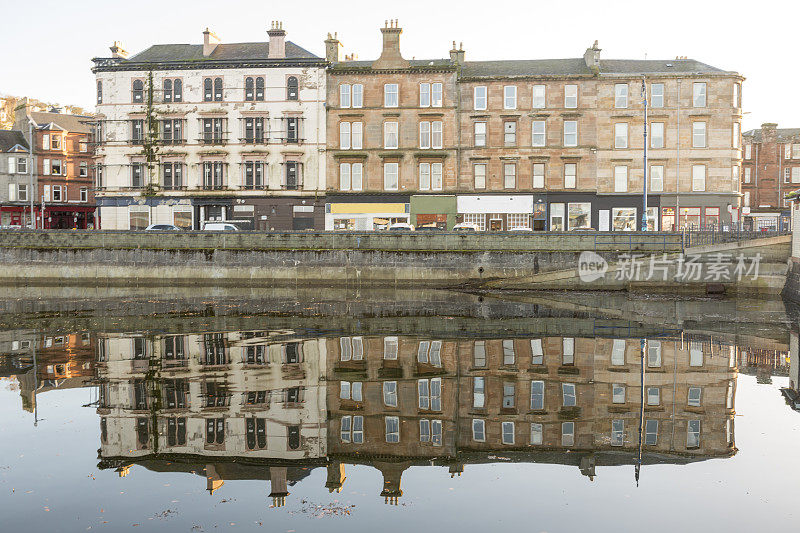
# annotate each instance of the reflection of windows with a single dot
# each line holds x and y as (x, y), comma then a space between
(651, 432)
(140, 395)
(293, 396)
(255, 355)
(351, 348)
(537, 433)
(390, 393)
(568, 354)
(430, 352)
(478, 392)
(215, 431)
(618, 352)
(176, 431)
(392, 429)
(256, 397)
(216, 394)
(430, 431)
(256, 433)
(176, 394)
(478, 430)
(291, 353)
(352, 429)
(509, 393)
(537, 395)
(695, 394)
(568, 433)
(653, 396)
(430, 394)
(568, 394)
(351, 391)
(654, 354)
(293, 437)
(103, 430)
(479, 354)
(140, 348)
(537, 354)
(214, 349)
(695, 353)
(693, 434)
(508, 352)
(618, 393)
(390, 348)
(617, 432)
(142, 433)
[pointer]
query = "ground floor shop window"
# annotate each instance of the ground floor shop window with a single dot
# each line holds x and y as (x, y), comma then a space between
(182, 219)
(668, 219)
(139, 218)
(652, 219)
(479, 219)
(518, 220)
(689, 216)
(341, 224)
(580, 215)
(712, 217)
(557, 217)
(623, 219)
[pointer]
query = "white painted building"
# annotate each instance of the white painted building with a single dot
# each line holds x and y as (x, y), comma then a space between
(192, 133)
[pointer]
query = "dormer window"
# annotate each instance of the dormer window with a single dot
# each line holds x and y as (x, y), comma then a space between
(291, 88)
(138, 91)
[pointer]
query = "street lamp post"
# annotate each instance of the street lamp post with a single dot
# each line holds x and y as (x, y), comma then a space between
(31, 163)
(644, 188)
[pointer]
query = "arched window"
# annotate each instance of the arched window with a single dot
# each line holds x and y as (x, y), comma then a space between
(138, 91)
(167, 90)
(249, 89)
(99, 92)
(291, 88)
(260, 88)
(217, 89)
(177, 88)
(293, 437)
(208, 90)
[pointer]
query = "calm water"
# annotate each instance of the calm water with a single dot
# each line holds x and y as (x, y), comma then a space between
(291, 411)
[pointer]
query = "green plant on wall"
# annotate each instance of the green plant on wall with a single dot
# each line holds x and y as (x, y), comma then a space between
(150, 144)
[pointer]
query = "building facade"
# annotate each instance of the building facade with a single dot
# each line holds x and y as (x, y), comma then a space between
(212, 132)
(16, 174)
(770, 171)
(392, 139)
(547, 145)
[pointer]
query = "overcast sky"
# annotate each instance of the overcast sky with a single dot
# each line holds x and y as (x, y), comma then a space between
(49, 56)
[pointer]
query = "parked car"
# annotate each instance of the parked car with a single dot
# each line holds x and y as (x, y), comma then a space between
(520, 229)
(466, 226)
(429, 228)
(583, 229)
(162, 227)
(219, 226)
(401, 226)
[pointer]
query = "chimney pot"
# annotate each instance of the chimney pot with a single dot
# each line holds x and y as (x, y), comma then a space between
(117, 51)
(592, 58)
(277, 41)
(333, 49)
(390, 55)
(210, 42)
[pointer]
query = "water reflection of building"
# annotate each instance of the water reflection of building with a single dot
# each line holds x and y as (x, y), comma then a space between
(763, 363)
(44, 362)
(792, 392)
(213, 398)
(265, 405)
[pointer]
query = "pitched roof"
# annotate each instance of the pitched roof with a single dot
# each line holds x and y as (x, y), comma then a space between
(577, 67)
(783, 134)
(11, 138)
(77, 123)
(165, 53)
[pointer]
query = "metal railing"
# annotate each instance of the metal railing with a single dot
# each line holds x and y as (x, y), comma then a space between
(704, 236)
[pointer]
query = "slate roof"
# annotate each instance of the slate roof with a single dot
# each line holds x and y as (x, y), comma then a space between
(415, 63)
(77, 123)
(784, 134)
(577, 67)
(10, 138)
(163, 53)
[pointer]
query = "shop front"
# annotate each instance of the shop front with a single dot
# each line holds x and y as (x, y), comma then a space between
(366, 212)
(433, 210)
(136, 213)
(496, 212)
(68, 217)
(707, 211)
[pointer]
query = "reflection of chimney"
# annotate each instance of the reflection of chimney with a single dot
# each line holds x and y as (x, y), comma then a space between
(213, 480)
(592, 59)
(333, 49)
(336, 477)
(456, 469)
(392, 473)
(587, 466)
(277, 484)
(277, 40)
(117, 51)
(457, 54)
(390, 55)
(210, 42)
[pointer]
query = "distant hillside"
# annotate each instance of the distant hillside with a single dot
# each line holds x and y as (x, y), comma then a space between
(9, 103)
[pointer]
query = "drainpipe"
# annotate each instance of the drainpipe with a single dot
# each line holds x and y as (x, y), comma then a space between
(678, 179)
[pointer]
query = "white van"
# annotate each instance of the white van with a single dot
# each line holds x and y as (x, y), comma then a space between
(219, 226)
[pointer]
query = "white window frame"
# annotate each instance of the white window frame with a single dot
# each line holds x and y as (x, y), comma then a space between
(479, 137)
(570, 96)
(656, 99)
(537, 434)
(539, 101)
(425, 94)
(621, 135)
(621, 178)
(698, 178)
(424, 135)
(509, 178)
(509, 97)
(391, 95)
(539, 133)
(508, 431)
(537, 395)
(479, 98)
(656, 178)
(621, 91)
(344, 136)
(570, 130)
(568, 433)
(390, 393)
(478, 392)
(391, 135)
(657, 141)
(478, 430)
(391, 176)
(437, 135)
(437, 94)
(392, 426)
(569, 396)
(479, 177)
(538, 173)
(699, 94)
(570, 175)
(357, 95)
(344, 95)
(618, 393)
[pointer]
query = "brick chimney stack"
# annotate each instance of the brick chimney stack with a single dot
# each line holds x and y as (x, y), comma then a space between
(333, 49)
(210, 42)
(592, 58)
(277, 40)
(769, 133)
(390, 55)
(117, 52)
(457, 54)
